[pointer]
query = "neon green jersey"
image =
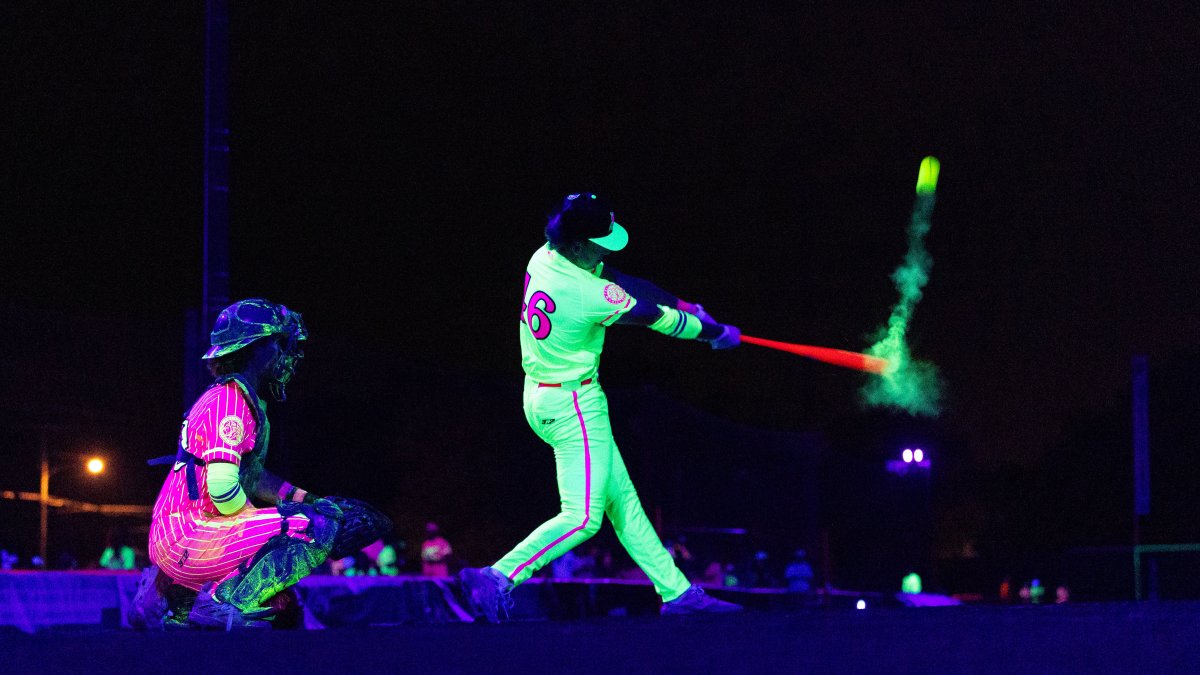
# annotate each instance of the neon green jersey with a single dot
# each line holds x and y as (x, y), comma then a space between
(563, 316)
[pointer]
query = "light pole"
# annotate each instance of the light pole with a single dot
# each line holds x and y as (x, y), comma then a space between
(44, 498)
(94, 465)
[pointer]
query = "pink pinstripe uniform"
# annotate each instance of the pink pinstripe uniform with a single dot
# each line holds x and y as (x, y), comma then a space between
(190, 540)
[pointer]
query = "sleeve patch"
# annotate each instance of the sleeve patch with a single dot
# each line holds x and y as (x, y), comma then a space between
(231, 430)
(614, 294)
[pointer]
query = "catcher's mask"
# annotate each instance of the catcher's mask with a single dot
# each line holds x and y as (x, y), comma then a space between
(247, 321)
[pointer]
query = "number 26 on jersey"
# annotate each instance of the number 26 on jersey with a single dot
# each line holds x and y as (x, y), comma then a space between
(535, 312)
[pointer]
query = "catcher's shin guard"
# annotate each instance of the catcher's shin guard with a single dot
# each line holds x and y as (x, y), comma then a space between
(359, 525)
(280, 563)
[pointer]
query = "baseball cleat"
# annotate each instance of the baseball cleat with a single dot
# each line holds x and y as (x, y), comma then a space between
(209, 612)
(488, 592)
(695, 601)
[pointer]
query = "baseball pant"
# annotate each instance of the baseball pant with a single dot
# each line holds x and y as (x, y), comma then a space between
(193, 551)
(592, 482)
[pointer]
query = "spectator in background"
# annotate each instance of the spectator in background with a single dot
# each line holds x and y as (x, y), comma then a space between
(758, 572)
(604, 568)
(1036, 591)
(731, 577)
(388, 561)
(799, 573)
(435, 553)
(384, 557)
(118, 554)
(567, 566)
(683, 558)
(713, 574)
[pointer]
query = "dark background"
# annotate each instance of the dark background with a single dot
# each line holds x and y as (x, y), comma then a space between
(392, 169)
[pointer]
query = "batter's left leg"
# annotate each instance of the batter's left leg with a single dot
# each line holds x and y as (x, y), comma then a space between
(637, 535)
(581, 437)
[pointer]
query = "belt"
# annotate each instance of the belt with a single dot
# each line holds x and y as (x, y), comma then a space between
(566, 384)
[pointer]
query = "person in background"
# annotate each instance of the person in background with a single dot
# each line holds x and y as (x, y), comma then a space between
(118, 554)
(799, 573)
(435, 552)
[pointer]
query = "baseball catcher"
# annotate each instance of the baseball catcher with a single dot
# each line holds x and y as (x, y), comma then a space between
(207, 535)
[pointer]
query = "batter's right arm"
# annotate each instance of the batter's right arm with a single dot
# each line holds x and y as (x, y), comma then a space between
(648, 293)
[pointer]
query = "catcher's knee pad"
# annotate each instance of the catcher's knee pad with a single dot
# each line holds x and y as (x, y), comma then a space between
(359, 525)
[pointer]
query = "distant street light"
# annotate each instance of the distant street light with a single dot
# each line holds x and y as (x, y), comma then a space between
(95, 465)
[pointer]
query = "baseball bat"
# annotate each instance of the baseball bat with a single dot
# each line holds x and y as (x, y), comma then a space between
(837, 357)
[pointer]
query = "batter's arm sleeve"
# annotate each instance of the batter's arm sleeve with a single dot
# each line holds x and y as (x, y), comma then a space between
(642, 314)
(649, 296)
(646, 292)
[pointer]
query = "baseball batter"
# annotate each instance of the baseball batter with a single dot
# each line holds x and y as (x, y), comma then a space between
(571, 297)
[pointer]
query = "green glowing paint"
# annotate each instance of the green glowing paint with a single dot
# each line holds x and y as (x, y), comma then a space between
(928, 175)
(908, 384)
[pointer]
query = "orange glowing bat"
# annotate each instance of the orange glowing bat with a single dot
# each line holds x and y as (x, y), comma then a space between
(837, 357)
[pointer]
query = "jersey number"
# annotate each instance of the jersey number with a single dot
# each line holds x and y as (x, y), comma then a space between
(535, 313)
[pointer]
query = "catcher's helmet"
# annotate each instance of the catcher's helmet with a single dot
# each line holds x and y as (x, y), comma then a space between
(248, 320)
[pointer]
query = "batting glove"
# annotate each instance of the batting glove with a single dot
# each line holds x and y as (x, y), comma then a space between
(696, 310)
(704, 316)
(730, 337)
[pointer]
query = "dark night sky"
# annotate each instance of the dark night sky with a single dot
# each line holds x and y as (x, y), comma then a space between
(393, 165)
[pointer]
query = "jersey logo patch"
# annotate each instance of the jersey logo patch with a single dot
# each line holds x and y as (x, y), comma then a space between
(615, 294)
(231, 430)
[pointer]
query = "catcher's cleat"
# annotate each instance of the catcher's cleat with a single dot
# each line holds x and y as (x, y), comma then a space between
(159, 603)
(149, 607)
(488, 592)
(695, 601)
(210, 612)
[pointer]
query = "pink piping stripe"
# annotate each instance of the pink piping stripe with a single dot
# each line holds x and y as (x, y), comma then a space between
(616, 312)
(587, 492)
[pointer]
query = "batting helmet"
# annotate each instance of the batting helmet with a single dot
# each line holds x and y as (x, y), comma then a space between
(584, 215)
